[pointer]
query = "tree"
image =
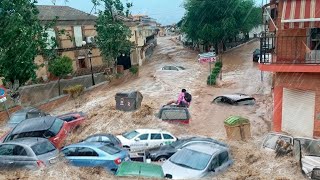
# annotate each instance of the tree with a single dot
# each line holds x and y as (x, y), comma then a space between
(212, 21)
(21, 40)
(113, 35)
(60, 67)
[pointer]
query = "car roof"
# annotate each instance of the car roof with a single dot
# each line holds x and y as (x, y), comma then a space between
(204, 139)
(34, 124)
(151, 131)
(29, 141)
(237, 96)
(89, 144)
(207, 148)
(101, 134)
(131, 168)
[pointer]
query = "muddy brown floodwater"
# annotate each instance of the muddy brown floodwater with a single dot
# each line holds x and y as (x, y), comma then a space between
(239, 75)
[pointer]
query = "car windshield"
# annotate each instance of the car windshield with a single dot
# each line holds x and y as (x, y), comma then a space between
(191, 159)
(56, 126)
(110, 149)
(247, 101)
(43, 148)
(130, 135)
(174, 114)
(310, 147)
(16, 118)
(178, 143)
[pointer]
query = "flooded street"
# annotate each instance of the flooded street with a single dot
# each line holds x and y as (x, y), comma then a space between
(239, 75)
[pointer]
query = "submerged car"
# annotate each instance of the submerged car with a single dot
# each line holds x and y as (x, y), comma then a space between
(73, 119)
(197, 161)
(235, 99)
(48, 127)
(93, 154)
(163, 153)
(138, 169)
(172, 68)
(305, 150)
(141, 139)
(104, 138)
(174, 114)
(27, 153)
(25, 113)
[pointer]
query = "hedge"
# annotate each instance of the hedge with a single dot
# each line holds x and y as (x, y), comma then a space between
(212, 78)
(74, 91)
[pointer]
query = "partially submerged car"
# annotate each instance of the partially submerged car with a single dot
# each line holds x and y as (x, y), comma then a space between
(48, 127)
(305, 150)
(74, 119)
(172, 68)
(197, 161)
(25, 113)
(94, 154)
(235, 99)
(138, 169)
(141, 139)
(174, 114)
(27, 153)
(163, 153)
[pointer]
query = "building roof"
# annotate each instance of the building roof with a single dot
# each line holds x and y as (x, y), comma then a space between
(64, 13)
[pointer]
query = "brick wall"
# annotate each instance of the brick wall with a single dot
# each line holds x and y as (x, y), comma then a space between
(303, 81)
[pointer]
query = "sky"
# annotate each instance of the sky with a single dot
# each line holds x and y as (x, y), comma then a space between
(164, 11)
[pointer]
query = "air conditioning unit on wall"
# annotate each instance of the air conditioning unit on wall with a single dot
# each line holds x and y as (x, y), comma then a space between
(90, 39)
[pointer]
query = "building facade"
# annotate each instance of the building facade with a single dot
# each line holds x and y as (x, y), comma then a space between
(290, 49)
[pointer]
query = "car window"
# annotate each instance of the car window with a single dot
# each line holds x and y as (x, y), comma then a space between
(105, 139)
(167, 136)
(166, 68)
(217, 99)
(56, 126)
(130, 135)
(110, 149)
(28, 134)
(223, 157)
(83, 151)
(16, 118)
(174, 114)
(247, 101)
(70, 152)
(196, 160)
(43, 148)
(215, 162)
(93, 139)
(156, 136)
(271, 141)
(144, 137)
(12, 150)
(174, 68)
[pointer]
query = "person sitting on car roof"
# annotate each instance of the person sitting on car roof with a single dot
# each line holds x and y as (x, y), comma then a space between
(184, 99)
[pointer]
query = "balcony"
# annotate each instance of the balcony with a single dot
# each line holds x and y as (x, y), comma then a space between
(289, 54)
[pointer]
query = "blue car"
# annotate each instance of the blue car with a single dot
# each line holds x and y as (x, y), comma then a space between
(93, 154)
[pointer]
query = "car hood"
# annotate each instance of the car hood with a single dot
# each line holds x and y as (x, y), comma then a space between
(178, 172)
(162, 149)
(124, 141)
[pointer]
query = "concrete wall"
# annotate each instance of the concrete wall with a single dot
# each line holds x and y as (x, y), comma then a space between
(35, 94)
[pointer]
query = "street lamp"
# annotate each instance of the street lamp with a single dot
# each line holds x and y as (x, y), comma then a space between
(90, 56)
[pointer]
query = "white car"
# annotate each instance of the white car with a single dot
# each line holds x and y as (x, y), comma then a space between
(141, 139)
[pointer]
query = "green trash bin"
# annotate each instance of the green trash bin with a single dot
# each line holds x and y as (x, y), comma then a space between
(237, 128)
(128, 101)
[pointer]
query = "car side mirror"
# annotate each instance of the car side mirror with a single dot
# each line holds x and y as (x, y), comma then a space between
(137, 139)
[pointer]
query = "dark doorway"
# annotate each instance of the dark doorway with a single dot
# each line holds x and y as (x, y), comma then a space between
(82, 63)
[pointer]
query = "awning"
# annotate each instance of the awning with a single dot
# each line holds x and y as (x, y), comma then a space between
(300, 14)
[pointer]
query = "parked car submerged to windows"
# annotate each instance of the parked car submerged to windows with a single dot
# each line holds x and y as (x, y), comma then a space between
(27, 153)
(142, 139)
(48, 127)
(235, 99)
(197, 161)
(163, 153)
(93, 154)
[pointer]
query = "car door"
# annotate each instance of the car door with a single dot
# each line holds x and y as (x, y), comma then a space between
(141, 142)
(87, 157)
(167, 138)
(270, 142)
(6, 153)
(220, 162)
(155, 140)
(20, 157)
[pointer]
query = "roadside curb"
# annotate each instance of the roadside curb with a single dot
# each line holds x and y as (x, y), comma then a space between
(252, 40)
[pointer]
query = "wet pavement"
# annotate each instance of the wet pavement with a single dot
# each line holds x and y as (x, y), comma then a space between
(239, 75)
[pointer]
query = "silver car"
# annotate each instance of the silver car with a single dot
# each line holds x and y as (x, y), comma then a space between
(27, 153)
(197, 160)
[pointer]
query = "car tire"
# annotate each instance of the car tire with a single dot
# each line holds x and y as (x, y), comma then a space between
(162, 158)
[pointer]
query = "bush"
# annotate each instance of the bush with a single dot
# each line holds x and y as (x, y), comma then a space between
(211, 82)
(218, 64)
(134, 69)
(216, 70)
(74, 91)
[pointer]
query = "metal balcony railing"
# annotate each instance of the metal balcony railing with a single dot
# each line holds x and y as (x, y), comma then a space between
(289, 50)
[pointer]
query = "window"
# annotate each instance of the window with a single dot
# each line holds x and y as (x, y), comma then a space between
(43, 148)
(86, 152)
(214, 163)
(51, 38)
(315, 39)
(196, 160)
(248, 101)
(12, 150)
(167, 136)
(156, 136)
(223, 157)
(110, 149)
(144, 137)
(78, 35)
(70, 152)
(56, 126)
(105, 139)
(130, 135)
(93, 139)
(174, 114)
(82, 63)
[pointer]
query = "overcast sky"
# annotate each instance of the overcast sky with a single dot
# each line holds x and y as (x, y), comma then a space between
(165, 11)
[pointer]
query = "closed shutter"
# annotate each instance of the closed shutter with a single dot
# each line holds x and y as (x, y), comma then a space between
(298, 112)
(78, 35)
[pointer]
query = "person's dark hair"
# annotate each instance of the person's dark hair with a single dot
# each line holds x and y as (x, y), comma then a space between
(183, 90)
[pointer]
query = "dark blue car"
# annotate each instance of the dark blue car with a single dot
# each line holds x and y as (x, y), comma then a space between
(91, 154)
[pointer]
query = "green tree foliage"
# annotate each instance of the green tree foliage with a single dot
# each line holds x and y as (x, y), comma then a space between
(60, 67)
(20, 39)
(213, 21)
(113, 35)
